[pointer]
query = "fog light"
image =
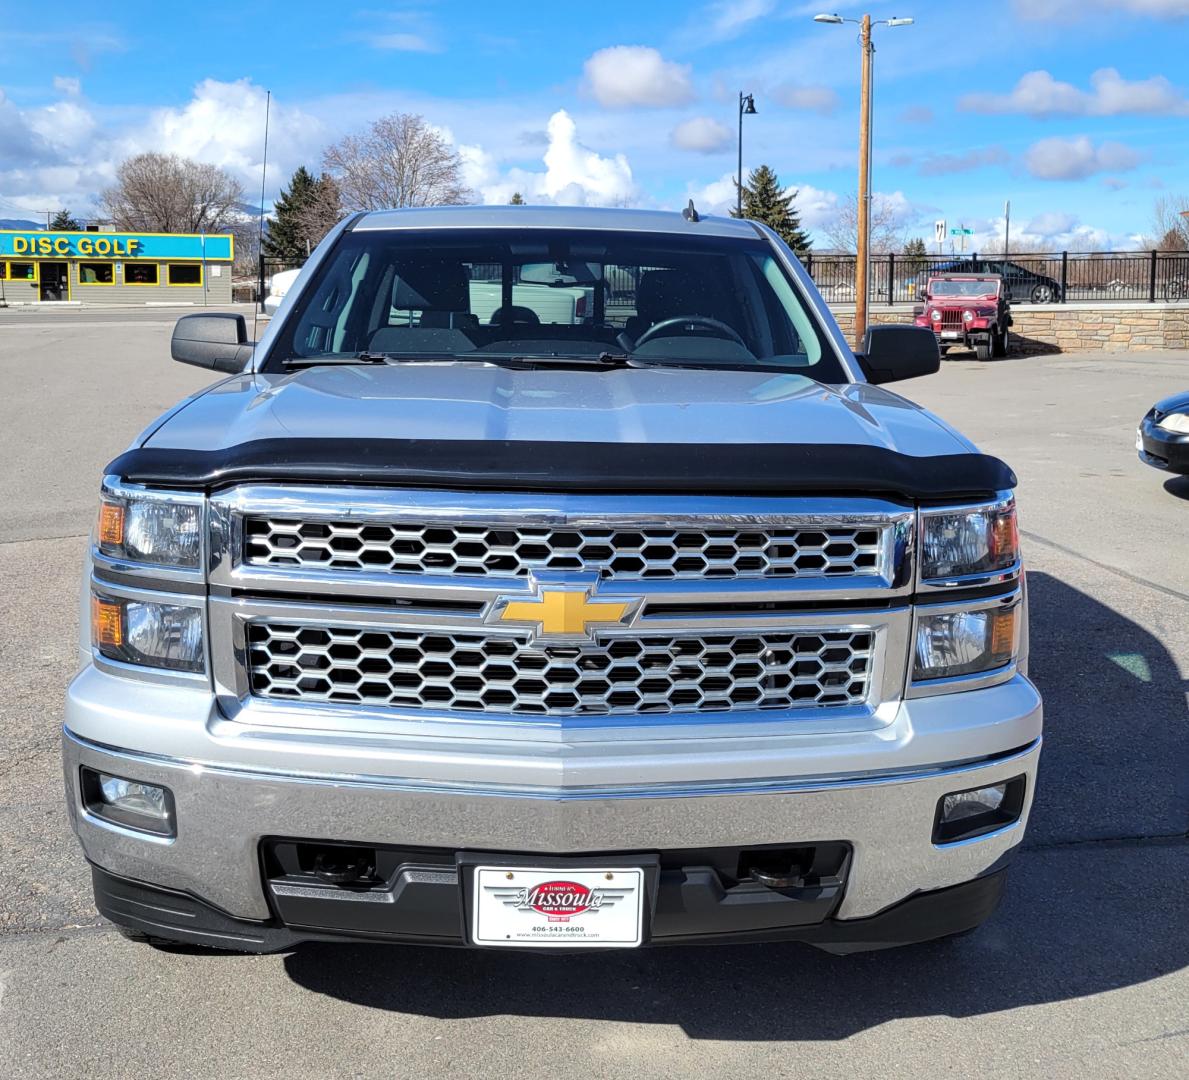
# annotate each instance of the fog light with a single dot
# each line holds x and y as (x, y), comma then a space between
(131, 803)
(977, 811)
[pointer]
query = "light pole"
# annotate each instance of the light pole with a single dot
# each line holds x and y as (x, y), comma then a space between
(863, 239)
(747, 107)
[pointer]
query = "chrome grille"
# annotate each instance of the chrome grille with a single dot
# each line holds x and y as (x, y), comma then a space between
(649, 673)
(613, 551)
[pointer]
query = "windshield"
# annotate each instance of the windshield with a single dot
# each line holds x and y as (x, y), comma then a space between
(497, 295)
(987, 287)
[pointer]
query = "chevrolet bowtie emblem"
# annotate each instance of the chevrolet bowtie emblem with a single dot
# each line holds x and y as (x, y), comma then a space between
(566, 612)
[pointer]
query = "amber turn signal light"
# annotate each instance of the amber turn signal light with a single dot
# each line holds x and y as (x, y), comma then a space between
(107, 623)
(111, 523)
(1003, 633)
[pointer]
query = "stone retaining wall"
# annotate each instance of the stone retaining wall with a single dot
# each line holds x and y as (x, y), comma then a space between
(1047, 328)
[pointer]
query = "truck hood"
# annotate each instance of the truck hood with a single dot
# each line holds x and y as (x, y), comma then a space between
(477, 402)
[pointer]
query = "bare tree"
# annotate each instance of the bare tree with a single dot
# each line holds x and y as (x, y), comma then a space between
(1170, 225)
(399, 161)
(886, 233)
(1022, 244)
(167, 193)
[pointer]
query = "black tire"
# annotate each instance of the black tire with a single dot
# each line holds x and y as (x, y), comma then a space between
(982, 350)
(999, 344)
(1043, 293)
(168, 944)
(1175, 290)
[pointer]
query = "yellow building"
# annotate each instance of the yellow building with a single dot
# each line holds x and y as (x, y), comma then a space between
(115, 267)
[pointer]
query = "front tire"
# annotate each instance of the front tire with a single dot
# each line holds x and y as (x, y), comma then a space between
(164, 944)
(1043, 294)
(999, 345)
(982, 350)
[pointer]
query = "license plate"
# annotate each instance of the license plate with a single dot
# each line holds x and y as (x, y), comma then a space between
(537, 907)
(950, 334)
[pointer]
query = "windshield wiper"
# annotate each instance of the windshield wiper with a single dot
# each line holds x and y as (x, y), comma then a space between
(335, 360)
(603, 359)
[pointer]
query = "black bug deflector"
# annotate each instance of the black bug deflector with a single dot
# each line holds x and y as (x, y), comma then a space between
(512, 465)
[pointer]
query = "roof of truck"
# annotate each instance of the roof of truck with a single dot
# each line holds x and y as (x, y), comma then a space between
(550, 217)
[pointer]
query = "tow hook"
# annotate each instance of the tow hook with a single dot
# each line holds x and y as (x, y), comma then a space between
(344, 870)
(797, 885)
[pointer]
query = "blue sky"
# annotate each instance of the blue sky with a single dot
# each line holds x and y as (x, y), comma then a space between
(1074, 109)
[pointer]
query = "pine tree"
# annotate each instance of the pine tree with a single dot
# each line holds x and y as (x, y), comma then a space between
(516, 200)
(302, 215)
(63, 222)
(915, 255)
(766, 201)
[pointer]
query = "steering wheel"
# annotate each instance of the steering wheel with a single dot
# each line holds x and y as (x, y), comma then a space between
(721, 329)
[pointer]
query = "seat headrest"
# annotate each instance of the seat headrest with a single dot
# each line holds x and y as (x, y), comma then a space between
(435, 285)
(515, 314)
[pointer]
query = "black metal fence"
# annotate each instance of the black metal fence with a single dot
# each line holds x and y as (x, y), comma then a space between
(1144, 276)
(1064, 277)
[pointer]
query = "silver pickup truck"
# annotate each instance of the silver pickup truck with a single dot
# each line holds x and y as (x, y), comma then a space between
(665, 626)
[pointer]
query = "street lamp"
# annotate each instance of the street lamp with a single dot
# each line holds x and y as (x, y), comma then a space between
(864, 231)
(747, 107)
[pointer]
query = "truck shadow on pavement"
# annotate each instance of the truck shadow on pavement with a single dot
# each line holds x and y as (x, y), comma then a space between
(1096, 901)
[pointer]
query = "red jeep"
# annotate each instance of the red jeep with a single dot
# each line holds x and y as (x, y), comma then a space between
(967, 311)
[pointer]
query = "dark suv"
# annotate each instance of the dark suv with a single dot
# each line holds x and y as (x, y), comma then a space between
(1019, 282)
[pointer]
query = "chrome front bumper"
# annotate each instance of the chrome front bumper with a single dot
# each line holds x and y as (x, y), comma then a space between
(876, 790)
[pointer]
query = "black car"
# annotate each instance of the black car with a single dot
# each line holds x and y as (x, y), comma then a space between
(1019, 282)
(1163, 436)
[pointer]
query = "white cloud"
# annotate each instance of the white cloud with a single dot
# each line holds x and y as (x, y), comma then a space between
(726, 19)
(577, 174)
(820, 99)
(1039, 94)
(701, 134)
(716, 197)
(223, 124)
(574, 174)
(1053, 10)
(623, 76)
(917, 114)
(67, 85)
(60, 154)
(401, 42)
(1076, 158)
(968, 161)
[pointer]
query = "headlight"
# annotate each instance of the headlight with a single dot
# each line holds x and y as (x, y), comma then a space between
(148, 633)
(968, 315)
(964, 542)
(966, 642)
(151, 527)
(1175, 421)
(935, 315)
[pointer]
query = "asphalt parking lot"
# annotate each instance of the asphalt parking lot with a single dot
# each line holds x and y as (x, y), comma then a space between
(1084, 971)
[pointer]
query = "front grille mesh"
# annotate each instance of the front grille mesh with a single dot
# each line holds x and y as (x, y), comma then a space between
(465, 672)
(611, 551)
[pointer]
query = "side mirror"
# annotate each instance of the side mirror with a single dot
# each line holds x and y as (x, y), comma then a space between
(893, 352)
(215, 340)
